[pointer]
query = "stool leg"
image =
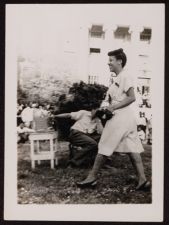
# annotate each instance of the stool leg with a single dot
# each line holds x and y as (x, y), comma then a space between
(37, 145)
(52, 163)
(51, 153)
(33, 164)
(56, 159)
(32, 155)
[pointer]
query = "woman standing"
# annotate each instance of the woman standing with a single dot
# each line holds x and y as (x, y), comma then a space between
(120, 132)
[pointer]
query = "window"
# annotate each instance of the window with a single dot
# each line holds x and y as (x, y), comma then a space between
(94, 50)
(92, 79)
(122, 33)
(145, 35)
(96, 31)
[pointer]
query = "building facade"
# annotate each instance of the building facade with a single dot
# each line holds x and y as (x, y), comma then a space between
(136, 42)
(82, 55)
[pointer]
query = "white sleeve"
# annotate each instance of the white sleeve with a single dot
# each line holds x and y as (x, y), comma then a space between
(76, 115)
(128, 83)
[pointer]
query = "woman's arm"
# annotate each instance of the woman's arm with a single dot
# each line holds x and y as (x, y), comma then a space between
(63, 115)
(127, 101)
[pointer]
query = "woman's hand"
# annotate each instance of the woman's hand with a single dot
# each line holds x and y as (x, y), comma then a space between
(110, 108)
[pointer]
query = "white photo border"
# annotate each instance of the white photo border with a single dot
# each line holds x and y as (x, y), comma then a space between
(124, 212)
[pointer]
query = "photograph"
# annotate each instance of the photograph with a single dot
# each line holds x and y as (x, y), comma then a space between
(84, 112)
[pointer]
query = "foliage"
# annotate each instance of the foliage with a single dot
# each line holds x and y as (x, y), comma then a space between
(42, 90)
(82, 96)
(22, 95)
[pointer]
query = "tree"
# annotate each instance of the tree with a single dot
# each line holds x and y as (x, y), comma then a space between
(43, 90)
(22, 95)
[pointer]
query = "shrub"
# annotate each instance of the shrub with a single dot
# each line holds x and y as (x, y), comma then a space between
(84, 96)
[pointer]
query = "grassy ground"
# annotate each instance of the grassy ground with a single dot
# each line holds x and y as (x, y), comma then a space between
(46, 186)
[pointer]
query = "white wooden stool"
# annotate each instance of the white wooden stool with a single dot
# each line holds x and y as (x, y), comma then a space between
(49, 154)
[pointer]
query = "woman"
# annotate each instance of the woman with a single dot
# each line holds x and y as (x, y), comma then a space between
(120, 132)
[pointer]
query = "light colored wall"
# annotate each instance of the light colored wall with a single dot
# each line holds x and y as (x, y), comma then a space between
(135, 63)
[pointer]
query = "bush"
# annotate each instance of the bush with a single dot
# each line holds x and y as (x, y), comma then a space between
(84, 96)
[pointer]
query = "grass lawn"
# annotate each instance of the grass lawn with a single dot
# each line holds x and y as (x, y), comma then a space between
(45, 186)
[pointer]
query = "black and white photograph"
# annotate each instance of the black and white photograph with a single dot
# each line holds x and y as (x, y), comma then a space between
(84, 112)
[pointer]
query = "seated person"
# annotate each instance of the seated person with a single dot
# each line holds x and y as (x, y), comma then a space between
(141, 134)
(84, 134)
(23, 133)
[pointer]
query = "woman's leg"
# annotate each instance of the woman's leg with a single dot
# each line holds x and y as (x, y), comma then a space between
(92, 176)
(138, 165)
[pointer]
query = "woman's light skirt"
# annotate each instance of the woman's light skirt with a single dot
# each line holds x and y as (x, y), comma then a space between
(120, 134)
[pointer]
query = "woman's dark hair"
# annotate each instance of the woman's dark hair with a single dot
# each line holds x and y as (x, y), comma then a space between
(119, 54)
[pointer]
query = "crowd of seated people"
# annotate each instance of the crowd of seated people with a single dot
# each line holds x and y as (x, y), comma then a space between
(144, 117)
(26, 113)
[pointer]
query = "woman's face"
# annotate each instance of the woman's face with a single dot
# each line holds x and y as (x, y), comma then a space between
(113, 63)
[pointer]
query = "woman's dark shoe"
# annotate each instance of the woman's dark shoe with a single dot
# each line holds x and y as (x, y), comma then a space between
(144, 187)
(87, 184)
